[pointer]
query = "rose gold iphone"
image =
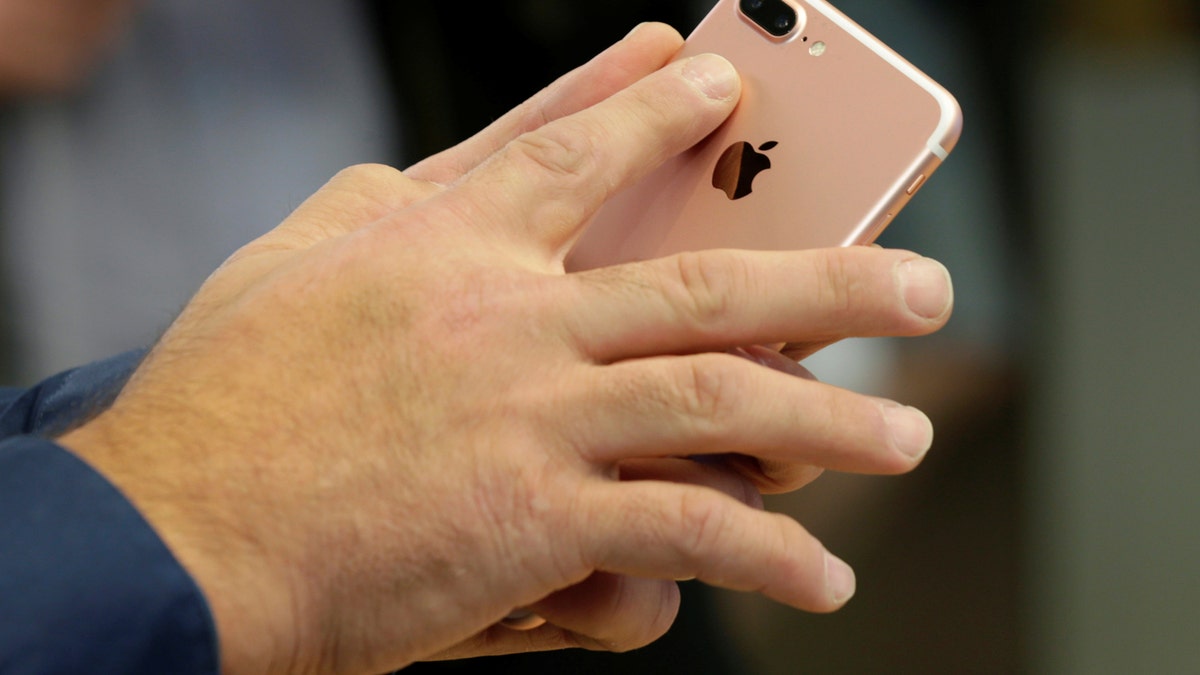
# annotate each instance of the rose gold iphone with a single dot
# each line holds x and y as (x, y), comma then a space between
(834, 133)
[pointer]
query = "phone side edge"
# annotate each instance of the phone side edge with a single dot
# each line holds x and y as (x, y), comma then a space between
(945, 135)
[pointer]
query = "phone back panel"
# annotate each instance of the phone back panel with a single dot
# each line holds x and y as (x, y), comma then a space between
(855, 131)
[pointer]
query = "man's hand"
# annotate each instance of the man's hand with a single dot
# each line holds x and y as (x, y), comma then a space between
(384, 425)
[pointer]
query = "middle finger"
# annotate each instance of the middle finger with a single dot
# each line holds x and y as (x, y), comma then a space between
(714, 300)
(713, 404)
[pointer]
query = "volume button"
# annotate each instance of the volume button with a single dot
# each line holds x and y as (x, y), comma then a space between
(916, 185)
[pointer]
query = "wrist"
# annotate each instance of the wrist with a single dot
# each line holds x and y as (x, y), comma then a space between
(251, 608)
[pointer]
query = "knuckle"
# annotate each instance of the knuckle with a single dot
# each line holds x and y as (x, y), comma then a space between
(708, 387)
(653, 110)
(535, 115)
(565, 150)
(369, 173)
(836, 284)
(463, 305)
(707, 282)
(481, 306)
(704, 525)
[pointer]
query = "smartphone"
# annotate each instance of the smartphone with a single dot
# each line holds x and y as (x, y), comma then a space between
(834, 133)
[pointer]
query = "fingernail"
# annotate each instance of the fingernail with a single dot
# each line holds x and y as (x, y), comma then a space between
(712, 75)
(912, 432)
(840, 578)
(926, 287)
(522, 619)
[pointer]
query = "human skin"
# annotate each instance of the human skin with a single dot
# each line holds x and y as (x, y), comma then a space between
(47, 46)
(382, 426)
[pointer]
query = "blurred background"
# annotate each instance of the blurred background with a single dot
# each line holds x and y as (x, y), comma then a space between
(1055, 527)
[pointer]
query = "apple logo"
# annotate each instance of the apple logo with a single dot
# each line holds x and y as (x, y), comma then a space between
(738, 166)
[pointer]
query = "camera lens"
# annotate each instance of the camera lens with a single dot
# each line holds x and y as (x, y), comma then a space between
(776, 17)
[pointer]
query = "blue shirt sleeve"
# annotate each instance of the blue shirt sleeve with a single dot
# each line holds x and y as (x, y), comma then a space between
(61, 402)
(86, 585)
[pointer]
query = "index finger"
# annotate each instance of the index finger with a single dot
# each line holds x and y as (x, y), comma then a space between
(544, 185)
(647, 48)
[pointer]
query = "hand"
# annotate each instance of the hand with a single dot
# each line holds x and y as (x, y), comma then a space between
(381, 427)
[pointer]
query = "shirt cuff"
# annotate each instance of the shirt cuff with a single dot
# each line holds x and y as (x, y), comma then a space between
(86, 585)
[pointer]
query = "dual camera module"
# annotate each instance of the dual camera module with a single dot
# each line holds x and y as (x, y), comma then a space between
(776, 17)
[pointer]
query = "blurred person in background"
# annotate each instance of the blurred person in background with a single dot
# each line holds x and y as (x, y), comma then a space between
(200, 123)
(47, 47)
